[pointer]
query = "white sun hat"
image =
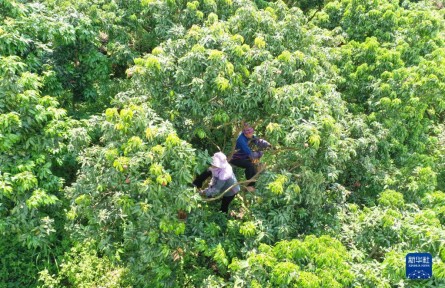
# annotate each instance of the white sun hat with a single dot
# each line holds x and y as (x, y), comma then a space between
(219, 160)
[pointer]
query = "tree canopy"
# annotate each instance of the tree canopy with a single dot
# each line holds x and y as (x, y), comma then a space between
(108, 110)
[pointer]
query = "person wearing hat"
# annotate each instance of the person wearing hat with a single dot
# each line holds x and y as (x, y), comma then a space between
(244, 156)
(222, 179)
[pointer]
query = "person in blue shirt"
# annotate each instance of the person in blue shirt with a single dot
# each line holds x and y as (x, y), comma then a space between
(244, 156)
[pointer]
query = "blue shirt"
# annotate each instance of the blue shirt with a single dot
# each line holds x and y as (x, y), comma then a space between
(242, 148)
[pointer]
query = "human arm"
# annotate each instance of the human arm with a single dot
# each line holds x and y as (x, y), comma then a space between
(256, 154)
(215, 187)
(261, 143)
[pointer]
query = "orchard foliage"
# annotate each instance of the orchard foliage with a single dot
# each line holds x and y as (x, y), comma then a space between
(314, 262)
(82, 49)
(244, 67)
(34, 135)
(136, 178)
(349, 93)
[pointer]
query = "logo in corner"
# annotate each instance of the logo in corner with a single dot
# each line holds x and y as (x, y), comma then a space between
(419, 266)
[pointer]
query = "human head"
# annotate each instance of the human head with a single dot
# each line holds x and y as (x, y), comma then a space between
(220, 167)
(248, 130)
(219, 160)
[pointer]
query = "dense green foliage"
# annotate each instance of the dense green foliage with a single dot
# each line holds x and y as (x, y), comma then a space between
(109, 108)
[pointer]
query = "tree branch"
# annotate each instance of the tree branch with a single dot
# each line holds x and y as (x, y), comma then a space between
(253, 179)
(315, 13)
